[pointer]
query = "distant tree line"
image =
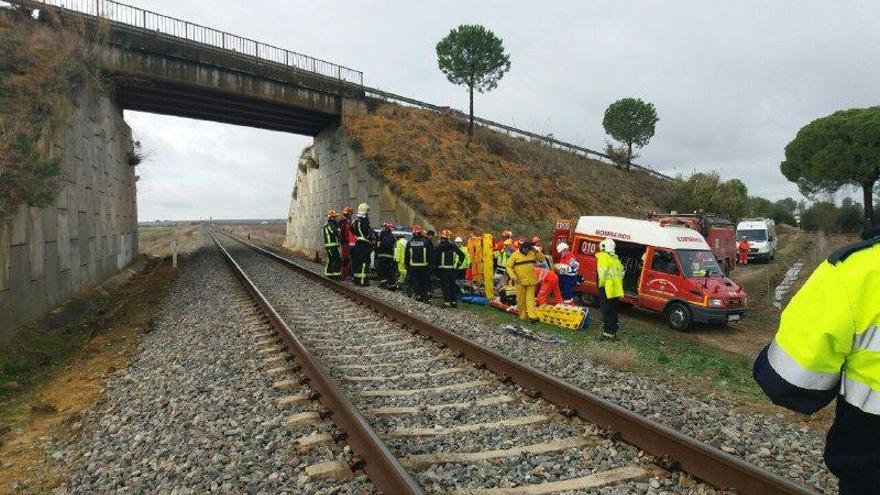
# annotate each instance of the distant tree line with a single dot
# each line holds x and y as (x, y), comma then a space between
(828, 217)
(730, 198)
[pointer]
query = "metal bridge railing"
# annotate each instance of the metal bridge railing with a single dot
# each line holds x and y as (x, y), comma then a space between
(145, 20)
(572, 148)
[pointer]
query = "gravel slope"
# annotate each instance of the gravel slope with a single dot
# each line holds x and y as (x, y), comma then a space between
(768, 441)
(196, 412)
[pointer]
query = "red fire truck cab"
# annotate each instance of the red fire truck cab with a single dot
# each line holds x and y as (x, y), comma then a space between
(670, 269)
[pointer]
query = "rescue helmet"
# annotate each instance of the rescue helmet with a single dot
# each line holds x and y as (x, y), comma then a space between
(515, 244)
(416, 229)
(536, 240)
(561, 247)
(363, 209)
(445, 234)
(388, 226)
(458, 240)
(607, 246)
(347, 211)
(507, 234)
(332, 214)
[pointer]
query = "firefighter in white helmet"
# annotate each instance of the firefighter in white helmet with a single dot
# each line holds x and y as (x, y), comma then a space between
(609, 284)
(360, 262)
(567, 268)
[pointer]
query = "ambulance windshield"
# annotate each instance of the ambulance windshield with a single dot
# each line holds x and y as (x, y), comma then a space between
(699, 263)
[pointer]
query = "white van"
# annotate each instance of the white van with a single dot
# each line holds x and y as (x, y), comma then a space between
(761, 234)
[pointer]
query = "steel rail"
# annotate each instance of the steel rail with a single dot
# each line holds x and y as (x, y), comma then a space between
(672, 449)
(383, 468)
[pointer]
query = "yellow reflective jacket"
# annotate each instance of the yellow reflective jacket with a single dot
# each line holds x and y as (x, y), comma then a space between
(609, 273)
(399, 250)
(521, 267)
(829, 334)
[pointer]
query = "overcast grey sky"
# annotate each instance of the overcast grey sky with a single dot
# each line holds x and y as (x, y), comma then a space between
(732, 82)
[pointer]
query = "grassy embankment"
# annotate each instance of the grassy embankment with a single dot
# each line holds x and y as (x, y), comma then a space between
(496, 182)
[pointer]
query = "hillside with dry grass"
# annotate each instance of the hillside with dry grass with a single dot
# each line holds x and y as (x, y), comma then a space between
(497, 181)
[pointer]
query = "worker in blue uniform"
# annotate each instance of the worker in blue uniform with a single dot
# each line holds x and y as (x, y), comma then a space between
(828, 347)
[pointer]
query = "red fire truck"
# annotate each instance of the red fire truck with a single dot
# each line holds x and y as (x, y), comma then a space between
(669, 269)
(719, 232)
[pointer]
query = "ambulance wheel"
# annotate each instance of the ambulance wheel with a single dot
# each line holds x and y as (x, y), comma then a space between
(679, 316)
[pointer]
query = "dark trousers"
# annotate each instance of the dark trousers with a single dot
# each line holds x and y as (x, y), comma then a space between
(448, 277)
(610, 323)
(333, 268)
(360, 262)
(386, 268)
(566, 286)
(418, 280)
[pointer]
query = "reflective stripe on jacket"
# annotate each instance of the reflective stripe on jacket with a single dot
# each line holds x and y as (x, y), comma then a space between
(827, 346)
(522, 267)
(448, 255)
(418, 252)
(609, 274)
(331, 235)
(362, 230)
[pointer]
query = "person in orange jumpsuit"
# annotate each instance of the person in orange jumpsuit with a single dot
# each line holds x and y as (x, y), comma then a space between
(742, 251)
(549, 282)
(499, 244)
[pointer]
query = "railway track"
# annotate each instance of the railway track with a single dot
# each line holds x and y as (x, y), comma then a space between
(430, 412)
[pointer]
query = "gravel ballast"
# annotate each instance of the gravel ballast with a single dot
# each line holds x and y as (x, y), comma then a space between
(316, 314)
(196, 411)
(767, 440)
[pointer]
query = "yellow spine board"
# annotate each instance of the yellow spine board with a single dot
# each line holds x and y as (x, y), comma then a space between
(565, 317)
(488, 281)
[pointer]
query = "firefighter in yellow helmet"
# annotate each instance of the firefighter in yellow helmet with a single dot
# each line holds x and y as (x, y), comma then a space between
(609, 285)
(333, 268)
(521, 270)
(827, 347)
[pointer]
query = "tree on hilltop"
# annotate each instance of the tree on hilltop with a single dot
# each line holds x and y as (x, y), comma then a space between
(630, 121)
(472, 56)
(839, 149)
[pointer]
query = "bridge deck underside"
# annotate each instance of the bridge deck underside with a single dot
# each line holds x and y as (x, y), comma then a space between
(219, 106)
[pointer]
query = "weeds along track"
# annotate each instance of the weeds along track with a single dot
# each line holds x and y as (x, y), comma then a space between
(462, 419)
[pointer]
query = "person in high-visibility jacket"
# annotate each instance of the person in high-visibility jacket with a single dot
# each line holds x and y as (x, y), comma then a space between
(609, 282)
(742, 251)
(567, 268)
(333, 267)
(418, 256)
(399, 248)
(828, 346)
(504, 254)
(447, 260)
(464, 268)
(500, 243)
(521, 270)
(363, 246)
(384, 260)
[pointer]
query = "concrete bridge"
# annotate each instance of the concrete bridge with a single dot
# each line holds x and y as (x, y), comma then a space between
(164, 65)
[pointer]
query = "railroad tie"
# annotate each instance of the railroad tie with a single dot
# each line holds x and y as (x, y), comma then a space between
(425, 432)
(293, 400)
(597, 480)
(275, 372)
(313, 440)
(331, 469)
(430, 374)
(390, 411)
(307, 417)
(277, 359)
(384, 392)
(424, 460)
